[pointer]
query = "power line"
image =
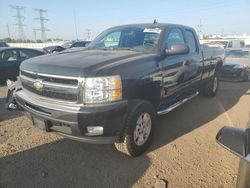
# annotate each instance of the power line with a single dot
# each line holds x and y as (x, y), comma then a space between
(42, 20)
(20, 18)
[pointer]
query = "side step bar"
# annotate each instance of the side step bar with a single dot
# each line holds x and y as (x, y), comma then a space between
(179, 103)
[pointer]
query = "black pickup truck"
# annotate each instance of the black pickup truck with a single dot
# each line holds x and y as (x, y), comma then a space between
(111, 91)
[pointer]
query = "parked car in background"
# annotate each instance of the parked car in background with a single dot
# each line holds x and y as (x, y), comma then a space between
(53, 49)
(79, 44)
(3, 44)
(235, 43)
(11, 58)
(67, 44)
(237, 65)
(237, 141)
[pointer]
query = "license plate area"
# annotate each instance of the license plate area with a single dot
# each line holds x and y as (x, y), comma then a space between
(39, 123)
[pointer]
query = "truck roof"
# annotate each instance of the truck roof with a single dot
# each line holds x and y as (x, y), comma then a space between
(143, 25)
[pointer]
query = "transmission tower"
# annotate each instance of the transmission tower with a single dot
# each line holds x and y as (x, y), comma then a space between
(8, 30)
(88, 33)
(200, 30)
(42, 20)
(19, 17)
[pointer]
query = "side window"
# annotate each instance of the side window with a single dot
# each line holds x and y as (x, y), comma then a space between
(174, 37)
(9, 55)
(112, 40)
(25, 54)
(191, 41)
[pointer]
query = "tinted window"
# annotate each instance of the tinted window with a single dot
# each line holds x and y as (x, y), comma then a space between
(134, 38)
(78, 44)
(175, 37)
(112, 40)
(26, 54)
(8, 55)
(191, 41)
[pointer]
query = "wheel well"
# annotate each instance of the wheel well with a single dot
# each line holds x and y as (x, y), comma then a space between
(219, 66)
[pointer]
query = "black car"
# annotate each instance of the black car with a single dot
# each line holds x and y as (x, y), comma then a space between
(79, 44)
(237, 65)
(11, 58)
(53, 49)
(3, 44)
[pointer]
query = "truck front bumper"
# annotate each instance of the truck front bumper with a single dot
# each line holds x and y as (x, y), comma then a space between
(73, 121)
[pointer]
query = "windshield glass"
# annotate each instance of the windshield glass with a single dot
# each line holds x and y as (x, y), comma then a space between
(132, 38)
(237, 53)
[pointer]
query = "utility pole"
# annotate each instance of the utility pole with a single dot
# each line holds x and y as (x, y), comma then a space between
(88, 33)
(8, 29)
(200, 26)
(75, 26)
(42, 20)
(19, 17)
(34, 33)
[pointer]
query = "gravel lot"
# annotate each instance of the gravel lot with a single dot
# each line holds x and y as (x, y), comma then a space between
(184, 152)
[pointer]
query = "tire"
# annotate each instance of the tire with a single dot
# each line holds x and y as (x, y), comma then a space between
(138, 129)
(211, 87)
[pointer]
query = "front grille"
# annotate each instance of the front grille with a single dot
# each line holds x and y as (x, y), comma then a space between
(54, 87)
(51, 79)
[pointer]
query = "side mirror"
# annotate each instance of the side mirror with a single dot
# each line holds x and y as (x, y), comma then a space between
(177, 49)
(235, 140)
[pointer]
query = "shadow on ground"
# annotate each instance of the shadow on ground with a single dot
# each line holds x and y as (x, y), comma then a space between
(197, 112)
(73, 164)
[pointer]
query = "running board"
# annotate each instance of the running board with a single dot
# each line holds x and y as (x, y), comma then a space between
(179, 103)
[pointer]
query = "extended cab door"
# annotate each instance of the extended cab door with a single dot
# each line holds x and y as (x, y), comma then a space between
(194, 62)
(180, 72)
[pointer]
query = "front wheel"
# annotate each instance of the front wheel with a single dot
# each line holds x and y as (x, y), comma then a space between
(211, 87)
(138, 129)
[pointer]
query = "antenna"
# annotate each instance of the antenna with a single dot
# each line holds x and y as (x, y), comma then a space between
(42, 20)
(19, 17)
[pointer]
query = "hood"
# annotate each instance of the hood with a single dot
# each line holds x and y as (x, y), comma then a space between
(237, 61)
(78, 63)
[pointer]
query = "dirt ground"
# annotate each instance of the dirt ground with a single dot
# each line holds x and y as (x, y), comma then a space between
(184, 152)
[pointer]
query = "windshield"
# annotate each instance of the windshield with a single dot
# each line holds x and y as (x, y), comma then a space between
(135, 38)
(237, 53)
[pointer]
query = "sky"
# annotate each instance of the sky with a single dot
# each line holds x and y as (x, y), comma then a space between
(217, 16)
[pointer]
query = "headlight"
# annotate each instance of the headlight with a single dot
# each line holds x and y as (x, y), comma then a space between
(102, 89)
(239, 66)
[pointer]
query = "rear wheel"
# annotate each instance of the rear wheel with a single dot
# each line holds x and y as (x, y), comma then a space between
(138, 129)
(211, 87)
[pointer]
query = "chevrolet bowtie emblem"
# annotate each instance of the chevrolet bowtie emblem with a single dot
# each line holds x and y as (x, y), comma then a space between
(38, 85)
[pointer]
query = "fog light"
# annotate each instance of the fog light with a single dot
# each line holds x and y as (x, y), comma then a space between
(95, 130)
